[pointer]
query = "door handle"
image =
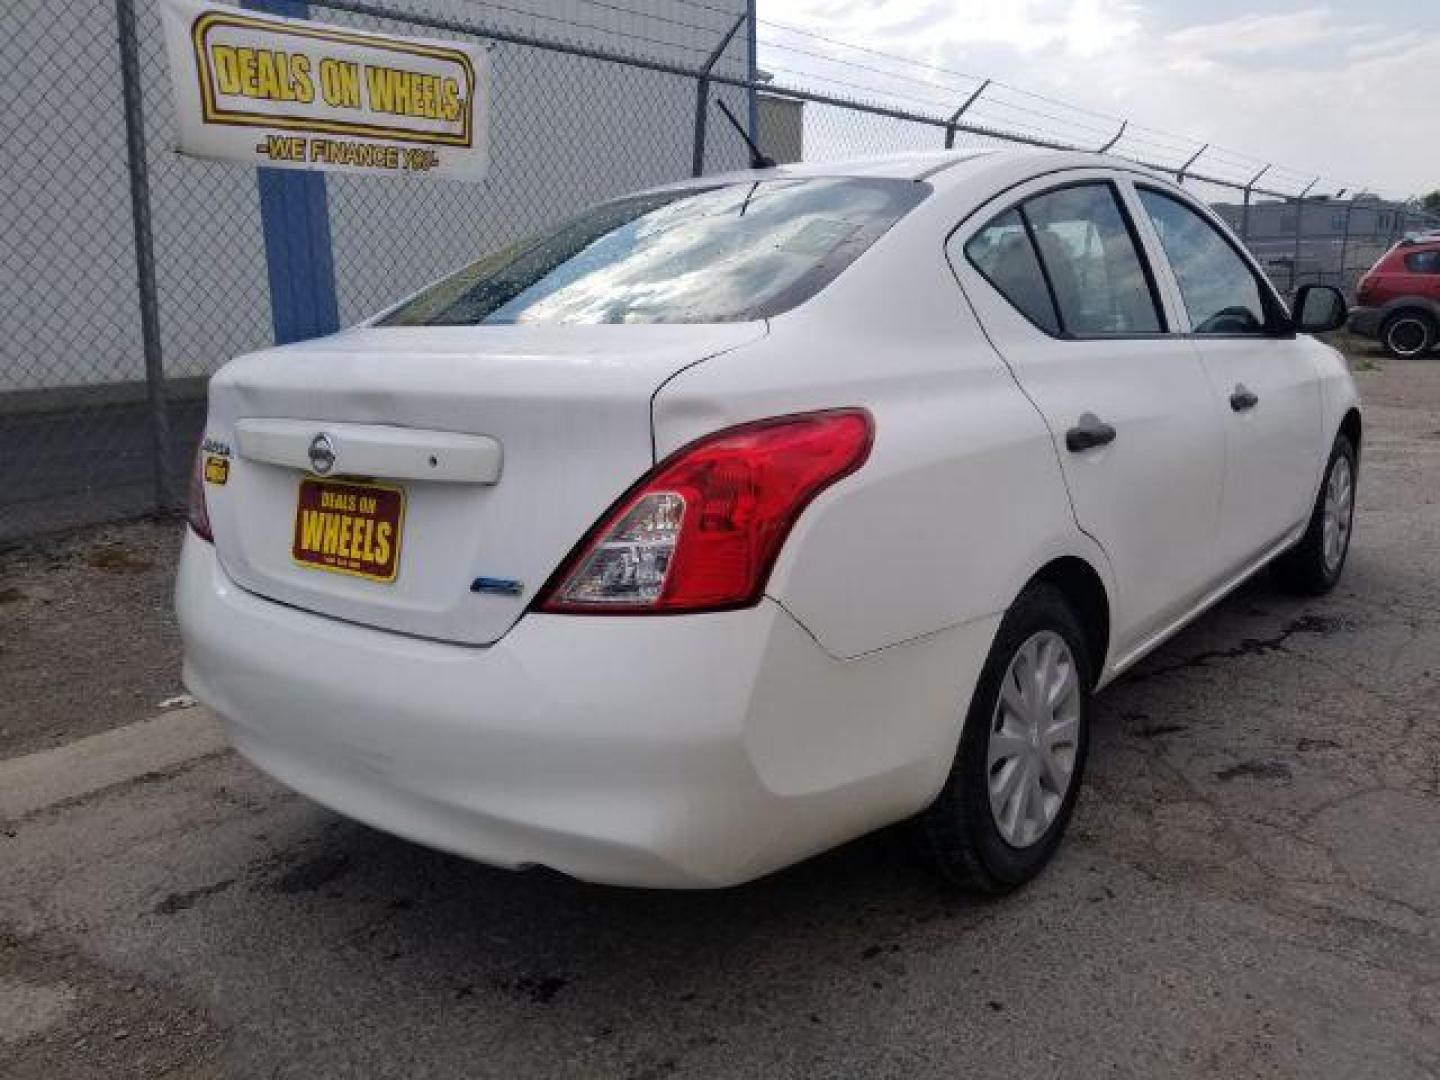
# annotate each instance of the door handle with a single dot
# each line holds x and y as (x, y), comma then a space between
(1243, 399)
(1089, 433)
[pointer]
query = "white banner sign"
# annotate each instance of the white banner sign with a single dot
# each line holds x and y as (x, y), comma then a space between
(296, 94)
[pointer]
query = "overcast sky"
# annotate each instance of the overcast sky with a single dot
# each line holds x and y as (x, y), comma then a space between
(1349, 91)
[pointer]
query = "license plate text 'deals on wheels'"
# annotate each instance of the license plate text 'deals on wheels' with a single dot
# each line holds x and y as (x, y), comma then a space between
(349, 528)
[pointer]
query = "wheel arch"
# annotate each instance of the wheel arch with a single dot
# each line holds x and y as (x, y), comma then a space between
(1351, 426)
(1409, 302)
(1084, 589)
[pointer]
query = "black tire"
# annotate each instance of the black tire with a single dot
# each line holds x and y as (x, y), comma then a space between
(1409, 333)
(1304, 569)
(958, 835)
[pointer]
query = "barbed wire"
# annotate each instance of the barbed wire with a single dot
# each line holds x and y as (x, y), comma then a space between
(1157, 138)
(1005, 97)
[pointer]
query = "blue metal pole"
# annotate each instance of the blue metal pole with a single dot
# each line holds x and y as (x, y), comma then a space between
(299, 255)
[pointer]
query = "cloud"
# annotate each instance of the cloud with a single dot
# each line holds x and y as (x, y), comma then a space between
(1079, 27)
(1313, 89)
(1302, 29)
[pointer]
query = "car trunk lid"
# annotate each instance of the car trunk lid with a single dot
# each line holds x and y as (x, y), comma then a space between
(429, 480)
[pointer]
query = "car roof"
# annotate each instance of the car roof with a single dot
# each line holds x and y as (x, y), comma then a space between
(940, 168)
(904, 165)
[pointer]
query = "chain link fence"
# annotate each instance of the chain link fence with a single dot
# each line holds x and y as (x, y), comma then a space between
(133, 273)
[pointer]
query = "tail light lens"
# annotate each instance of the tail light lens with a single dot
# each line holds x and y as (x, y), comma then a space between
(197, 513)
(702, 530)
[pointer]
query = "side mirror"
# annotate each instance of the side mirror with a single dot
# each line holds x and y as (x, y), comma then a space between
(1318, 308)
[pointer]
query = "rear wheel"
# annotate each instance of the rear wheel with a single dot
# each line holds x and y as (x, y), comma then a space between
(1015, 777)
(1314, 565)
(1408, 333)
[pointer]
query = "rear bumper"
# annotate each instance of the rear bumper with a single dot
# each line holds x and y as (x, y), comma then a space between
(1365, 321)
(687, 751)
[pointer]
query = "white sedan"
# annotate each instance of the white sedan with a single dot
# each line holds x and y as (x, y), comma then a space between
(731, 520)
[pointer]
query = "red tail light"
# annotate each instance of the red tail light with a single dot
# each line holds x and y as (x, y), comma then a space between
(198, 514)
(702, 530)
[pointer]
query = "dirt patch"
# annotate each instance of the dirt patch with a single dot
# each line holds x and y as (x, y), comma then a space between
(84, 1021)
(177, 902)
(541, 989)
(117, 557)
(87, 632)
(1257, 770)
(313, 874)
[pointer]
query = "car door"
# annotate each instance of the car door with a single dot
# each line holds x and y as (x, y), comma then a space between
(1417, 273)
(1057, 277)
(1264, 382)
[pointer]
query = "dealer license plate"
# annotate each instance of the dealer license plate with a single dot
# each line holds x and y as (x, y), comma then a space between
(349, 528)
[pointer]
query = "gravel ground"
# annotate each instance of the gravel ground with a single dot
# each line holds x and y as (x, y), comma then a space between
(1251, 887)
(87, 632)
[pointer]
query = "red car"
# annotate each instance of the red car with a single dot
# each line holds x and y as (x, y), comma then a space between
(1398, 300)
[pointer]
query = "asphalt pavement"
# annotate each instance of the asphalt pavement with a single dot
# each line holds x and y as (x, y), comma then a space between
(1251, 887)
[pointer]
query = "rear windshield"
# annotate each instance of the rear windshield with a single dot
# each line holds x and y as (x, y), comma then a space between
(723, 253)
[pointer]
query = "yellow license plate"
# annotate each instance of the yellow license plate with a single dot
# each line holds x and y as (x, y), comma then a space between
(349, 528)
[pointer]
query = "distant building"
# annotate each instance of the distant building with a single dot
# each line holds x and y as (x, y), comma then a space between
(781, 127)
(1339, 239)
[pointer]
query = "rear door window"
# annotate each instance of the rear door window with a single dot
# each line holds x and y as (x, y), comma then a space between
(1069, 262)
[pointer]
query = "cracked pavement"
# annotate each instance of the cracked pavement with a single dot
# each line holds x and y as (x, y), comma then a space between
(1251, 887)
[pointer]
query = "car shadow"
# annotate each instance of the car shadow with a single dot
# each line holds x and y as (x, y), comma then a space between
(442, 929)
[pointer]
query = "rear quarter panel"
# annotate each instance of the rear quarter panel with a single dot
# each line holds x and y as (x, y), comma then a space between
(961, 500)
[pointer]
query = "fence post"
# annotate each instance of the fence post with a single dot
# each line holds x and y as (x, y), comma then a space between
(1345, 237)
(1245, 213)
(955, 116)
(132, 96)
(702, 98)
(752, 71)
(1299, 226)
(1180, 176)
(1115, 138)
(1295, 253)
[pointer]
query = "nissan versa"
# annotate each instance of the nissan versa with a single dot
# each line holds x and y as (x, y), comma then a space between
(734, 519)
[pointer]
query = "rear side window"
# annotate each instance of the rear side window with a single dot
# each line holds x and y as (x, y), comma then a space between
(1423, 262)
(721, 253)
(1003, 254)
(1221, 292)
(1068, 261)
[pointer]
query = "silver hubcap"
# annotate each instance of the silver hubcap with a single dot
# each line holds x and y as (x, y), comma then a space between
(1339, 508)
(1408, 336)
(1034, 735)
